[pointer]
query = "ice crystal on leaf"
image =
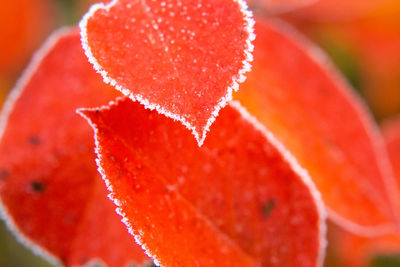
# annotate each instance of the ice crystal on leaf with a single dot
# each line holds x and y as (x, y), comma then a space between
(182, 58)
(206, 206)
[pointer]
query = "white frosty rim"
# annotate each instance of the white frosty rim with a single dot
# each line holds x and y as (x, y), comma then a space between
(356, 229)
(302, 173)
(372, 130)
(7, 109)
(236, 79)
(111, 196)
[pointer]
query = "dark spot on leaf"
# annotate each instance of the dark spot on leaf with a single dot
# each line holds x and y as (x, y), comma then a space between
(111, 158)
(4, 174)
(34, 140)
(97, 111)
(268, 207)
(38, 186)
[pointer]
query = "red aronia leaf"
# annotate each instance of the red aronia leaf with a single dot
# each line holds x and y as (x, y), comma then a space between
(239, 200)
(180, 57)
(51, 193)
(300, 98)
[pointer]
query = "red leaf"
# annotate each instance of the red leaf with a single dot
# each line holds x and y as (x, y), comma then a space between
(49, 185)
(294, 92)
(180, 57)
(239, 200)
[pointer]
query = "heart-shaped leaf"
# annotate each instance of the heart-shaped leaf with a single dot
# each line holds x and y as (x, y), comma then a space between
(180, 57)
(54, 199)
(239, 200)
(296, 94)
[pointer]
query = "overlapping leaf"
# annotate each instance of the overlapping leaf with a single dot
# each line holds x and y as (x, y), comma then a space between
(50, 190)
(239, 200)
(301, 99)
(182, 58)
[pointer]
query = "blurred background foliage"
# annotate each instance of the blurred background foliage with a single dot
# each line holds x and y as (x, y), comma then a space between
(361, 37)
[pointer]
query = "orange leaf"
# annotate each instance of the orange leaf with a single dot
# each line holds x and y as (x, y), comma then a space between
(182, 58)
(359, 251)
(239, 200)
(339, 10)
(372, 49)
(294, 92)
(391, 132)
(277, 6)
(50, 190)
